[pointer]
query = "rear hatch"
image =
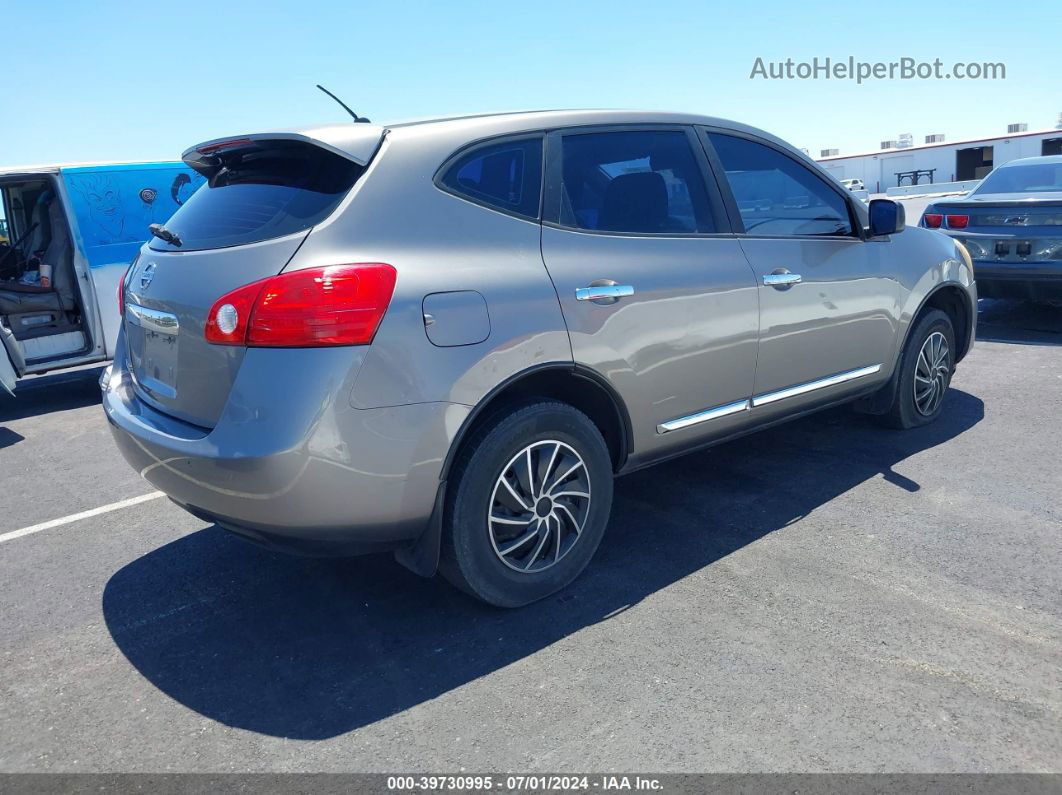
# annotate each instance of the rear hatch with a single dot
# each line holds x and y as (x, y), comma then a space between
(1007, 231)
(262, 197)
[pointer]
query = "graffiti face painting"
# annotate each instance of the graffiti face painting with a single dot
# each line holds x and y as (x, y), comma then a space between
(114, 205)
(103, 197)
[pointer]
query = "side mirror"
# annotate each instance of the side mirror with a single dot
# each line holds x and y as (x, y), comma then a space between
(886, 217)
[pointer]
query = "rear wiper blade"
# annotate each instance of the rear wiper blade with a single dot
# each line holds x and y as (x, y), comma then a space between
(162, 233)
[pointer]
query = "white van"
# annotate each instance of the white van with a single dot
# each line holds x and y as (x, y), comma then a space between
(67, 235)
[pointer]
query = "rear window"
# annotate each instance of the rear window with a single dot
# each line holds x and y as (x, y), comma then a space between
(261, 192)
(506, 176)
(1032, 178)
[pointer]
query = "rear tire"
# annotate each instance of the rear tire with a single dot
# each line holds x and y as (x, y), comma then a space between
(924, 372)
(517, 528)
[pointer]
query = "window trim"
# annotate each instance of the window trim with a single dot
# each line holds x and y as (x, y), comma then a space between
(736, 221)
(483, 143)
(552, 164)
(4, 210)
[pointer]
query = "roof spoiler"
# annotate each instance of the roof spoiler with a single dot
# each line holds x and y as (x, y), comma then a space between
(353, 142)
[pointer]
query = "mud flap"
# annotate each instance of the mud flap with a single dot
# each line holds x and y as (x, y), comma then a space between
(881, 401)
(422, 556)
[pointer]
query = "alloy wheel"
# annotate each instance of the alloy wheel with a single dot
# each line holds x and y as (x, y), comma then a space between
(931, 373)
(539, 506)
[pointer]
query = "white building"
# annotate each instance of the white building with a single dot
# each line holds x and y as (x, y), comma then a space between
(939, 162)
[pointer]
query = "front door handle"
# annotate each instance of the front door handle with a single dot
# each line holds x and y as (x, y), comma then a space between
(781, 278)
(603, 293)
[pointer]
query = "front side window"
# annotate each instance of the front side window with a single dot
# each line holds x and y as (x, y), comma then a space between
(776, 195)
(638, 182)
(505, 175)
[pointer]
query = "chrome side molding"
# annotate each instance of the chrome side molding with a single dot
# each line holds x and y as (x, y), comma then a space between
(760, 400)
(702, 416)
(811, 386)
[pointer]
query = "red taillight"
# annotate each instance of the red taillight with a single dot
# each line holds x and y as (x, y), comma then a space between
(958, 221)
(241, 301)
(337, 305)
(933, 220)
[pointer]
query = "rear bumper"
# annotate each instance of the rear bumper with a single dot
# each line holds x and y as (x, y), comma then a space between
(291, 464)
(1005, 275)
(1024, 280)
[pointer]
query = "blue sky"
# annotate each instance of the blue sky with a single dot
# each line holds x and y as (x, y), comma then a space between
(117, 80)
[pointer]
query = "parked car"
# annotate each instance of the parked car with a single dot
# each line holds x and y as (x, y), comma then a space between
(1011, 224)
(67, 235)
(853, 184)
(446, 338)
(797, 202)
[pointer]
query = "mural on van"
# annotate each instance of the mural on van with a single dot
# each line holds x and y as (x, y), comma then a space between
(114, 205)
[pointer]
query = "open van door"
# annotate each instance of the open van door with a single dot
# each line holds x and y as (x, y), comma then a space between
(7, 374)
(11, 362)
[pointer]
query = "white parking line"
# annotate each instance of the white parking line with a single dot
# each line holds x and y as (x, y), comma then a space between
(75, 517)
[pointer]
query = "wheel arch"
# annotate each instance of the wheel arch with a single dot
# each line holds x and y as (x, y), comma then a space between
(951, 298)
(576, 385)
(579, 386)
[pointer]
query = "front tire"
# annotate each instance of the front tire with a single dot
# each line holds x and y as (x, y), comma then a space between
(924, 372)
(532, 495)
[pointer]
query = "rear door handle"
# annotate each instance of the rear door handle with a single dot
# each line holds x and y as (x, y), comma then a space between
(604, 293)
(781, 278)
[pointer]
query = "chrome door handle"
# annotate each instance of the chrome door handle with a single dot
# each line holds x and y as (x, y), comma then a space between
(152, 319)
(781, 278)
(609, 292)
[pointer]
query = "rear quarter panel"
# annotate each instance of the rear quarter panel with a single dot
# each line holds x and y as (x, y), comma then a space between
(438, 242)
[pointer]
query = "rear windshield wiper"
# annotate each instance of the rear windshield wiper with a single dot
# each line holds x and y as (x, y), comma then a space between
(162, 233)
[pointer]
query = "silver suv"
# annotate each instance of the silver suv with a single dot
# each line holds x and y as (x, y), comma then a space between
(445, 338)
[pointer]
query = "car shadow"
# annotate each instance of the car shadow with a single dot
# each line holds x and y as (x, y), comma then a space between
(45, 394)
(1019, 322)
(311, 649)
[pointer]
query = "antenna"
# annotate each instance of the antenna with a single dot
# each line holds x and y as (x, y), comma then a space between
(355, 116)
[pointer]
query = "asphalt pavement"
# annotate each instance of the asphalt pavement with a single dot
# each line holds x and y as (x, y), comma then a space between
(828, 595)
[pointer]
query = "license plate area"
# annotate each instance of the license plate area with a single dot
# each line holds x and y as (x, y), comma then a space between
(152, 338)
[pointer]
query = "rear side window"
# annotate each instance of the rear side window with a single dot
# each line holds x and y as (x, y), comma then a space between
(506, 176)
(637, 181)
(260, 192)
(776, 195)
